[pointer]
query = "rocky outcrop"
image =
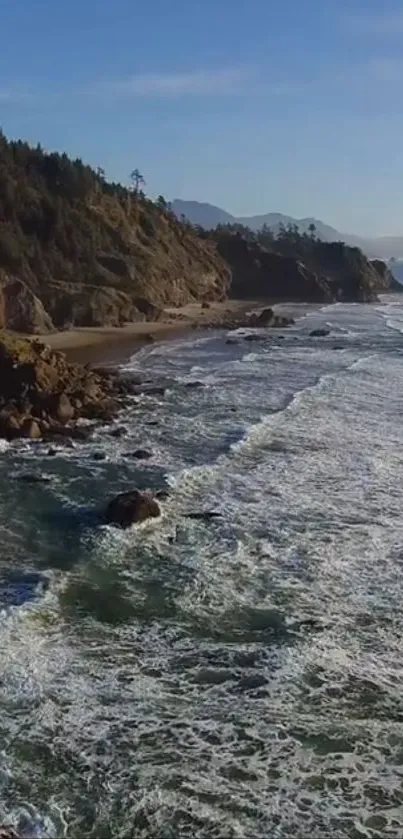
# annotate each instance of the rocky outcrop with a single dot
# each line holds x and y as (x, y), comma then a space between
(20, 309)
(43, 396)
(131, 508)
(230, 320)
(385, 281)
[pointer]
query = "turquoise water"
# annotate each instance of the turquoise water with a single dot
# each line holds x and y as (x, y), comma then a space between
(239, 677)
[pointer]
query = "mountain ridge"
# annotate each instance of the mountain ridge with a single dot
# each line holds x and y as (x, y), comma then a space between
(209, 215)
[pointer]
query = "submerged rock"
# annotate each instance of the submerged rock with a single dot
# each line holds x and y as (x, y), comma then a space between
(130, 508)
(319, 333)
(140, 454)
(121, 431)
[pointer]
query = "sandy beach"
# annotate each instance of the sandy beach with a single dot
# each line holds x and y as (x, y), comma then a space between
(100, 345)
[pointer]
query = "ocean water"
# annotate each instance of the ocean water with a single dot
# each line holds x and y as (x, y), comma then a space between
(239, 677)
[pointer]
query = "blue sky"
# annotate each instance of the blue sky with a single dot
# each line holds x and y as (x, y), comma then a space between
(253, 105)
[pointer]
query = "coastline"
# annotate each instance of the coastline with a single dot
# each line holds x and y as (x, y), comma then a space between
(100, 345)
(107, 345)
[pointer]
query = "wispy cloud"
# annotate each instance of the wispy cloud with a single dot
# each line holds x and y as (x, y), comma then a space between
(196, 83)
(378, 24)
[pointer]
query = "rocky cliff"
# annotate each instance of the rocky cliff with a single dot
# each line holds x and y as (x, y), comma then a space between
(301, 268)
(76, 250)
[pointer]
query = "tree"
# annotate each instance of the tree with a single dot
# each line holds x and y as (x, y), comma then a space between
(137, 180)
(161, 203)
(312, 229)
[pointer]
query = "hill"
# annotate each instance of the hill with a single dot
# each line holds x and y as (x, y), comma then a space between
(209, 216)
(77, 250)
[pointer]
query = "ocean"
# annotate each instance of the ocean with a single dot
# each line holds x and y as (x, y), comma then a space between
(240, 676)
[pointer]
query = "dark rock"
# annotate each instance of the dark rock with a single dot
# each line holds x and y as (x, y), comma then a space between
(264, 318)
(254, 337)
(193, 385)
(152, 422)
(99, 456)
(51, 452)
(149, 339)
(204, 515)
(205, 305)
(319, 333)
(121, 431)
(140, 454)
(232, 341)
(162, 495)
(131, 507)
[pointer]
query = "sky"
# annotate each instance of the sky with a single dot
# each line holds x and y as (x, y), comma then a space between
(253, 105)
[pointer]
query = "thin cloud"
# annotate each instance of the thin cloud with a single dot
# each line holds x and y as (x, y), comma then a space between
(198, 83)
(381, 25)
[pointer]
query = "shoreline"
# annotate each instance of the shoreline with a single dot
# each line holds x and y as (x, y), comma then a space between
(108, 345)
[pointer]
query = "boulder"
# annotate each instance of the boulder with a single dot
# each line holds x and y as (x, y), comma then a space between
(31, 429)
(319, 333)
(265, 317)
(130, 508)
(61, 408)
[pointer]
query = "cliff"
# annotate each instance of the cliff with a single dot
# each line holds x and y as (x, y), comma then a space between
(291, 266)
(77, 250)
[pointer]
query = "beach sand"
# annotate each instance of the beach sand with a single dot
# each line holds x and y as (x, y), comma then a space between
(102, 345)
(98, 345)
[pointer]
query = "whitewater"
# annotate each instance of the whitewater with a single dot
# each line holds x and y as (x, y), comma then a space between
(234, 677)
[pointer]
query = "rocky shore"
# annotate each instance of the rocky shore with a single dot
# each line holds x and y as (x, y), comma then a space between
(45, 396)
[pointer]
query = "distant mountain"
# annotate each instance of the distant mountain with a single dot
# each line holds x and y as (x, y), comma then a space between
(209, 216)
(206, 215)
